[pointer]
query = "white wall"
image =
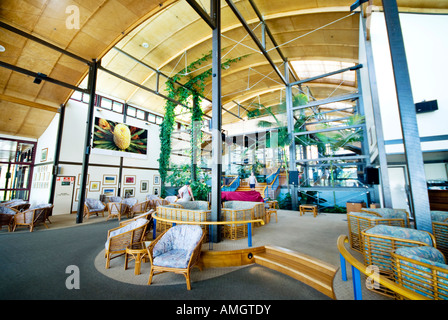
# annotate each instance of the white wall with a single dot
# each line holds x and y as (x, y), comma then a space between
(426, 45)
(72, 148)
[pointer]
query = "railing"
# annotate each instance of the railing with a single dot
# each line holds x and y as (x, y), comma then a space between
(358, 268)
(233, 185)
(210, 224)
(272, 181)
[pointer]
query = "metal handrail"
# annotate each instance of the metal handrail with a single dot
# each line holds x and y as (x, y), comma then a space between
(209, 223)
(358, 267)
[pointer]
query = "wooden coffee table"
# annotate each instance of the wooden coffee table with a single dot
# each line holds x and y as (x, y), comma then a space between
(138, 252)
(308, 208)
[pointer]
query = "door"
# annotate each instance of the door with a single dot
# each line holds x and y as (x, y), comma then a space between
(63, 195)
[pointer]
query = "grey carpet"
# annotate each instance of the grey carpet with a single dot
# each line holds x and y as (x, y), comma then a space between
(33, 266)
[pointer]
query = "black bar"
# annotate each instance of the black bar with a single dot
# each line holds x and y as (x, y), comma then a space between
(204, 15)
(216, 120)
(255, 39)
(57, 152)
(40, 76)
(43, 42)
(93, 72)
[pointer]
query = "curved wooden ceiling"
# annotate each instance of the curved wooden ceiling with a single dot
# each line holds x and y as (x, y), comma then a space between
(176, 36)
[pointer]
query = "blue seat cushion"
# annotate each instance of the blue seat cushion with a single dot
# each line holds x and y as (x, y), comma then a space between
(176, 258)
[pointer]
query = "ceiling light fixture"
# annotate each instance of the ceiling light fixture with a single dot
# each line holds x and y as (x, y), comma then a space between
(145, 45)
(2, 48)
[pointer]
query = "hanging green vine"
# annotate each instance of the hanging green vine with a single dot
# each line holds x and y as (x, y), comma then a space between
(193, 87)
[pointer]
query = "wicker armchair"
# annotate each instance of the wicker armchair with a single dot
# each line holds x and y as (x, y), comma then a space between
(440, 230)
(152, 204)
(147, 216)
(176, 250)
(390, 213)
(93, 206)
(7, 217)
(138, 208)
(116, 210)
(32, 217)
(119, 238)
(423, 270)
(359, 221)
(379, 242)
(128, 204)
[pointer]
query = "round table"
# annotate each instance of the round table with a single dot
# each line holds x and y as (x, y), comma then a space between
(138, 252)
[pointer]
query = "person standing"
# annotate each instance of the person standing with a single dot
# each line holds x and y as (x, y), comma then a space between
(252, 181)
(185, 193)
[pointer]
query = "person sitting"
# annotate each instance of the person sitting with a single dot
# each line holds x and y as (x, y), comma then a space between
(185, 193)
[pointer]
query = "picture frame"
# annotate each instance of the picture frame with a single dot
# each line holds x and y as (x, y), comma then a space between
(110, 179)
(43, 154)
(109, 191)
(94, 186)
(129, 180)
(156, 191)
(156, 179)
(129, 192)
(77, 194)
(79, 178)
(144, 186)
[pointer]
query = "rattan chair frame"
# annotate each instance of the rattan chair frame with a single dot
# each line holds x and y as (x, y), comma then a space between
(413, 276)
(118, 243)
(8, 220)
(440, 232)
(194, 259)
(116, 210)
(356, 224)
(32, 217)
(378, 215)
(377, 250)
(88, 213)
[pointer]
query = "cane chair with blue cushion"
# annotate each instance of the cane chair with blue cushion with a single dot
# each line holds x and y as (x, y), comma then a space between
(7, 217)
(379, 242)
(128, 203)
(390, 213)
(176, 250)
(440, 230)
(116, 210)
(119, 238)
(93, 206)
(423, 270)
(359, 221)
(32, 217)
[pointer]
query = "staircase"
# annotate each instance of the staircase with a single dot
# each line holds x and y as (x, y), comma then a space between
(311, 271)
(258, 187)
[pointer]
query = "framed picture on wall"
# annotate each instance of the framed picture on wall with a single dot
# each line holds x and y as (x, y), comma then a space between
(79, 178)
(156, 191)
(77, 194)
(43, 155)
(108, 191)
(129, 179)
(95, 186)
(156, 179)
(144, 186)
(129, 192)
(110, 179)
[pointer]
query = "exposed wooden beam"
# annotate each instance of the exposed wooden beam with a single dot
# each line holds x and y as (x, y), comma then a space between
(28, 103)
